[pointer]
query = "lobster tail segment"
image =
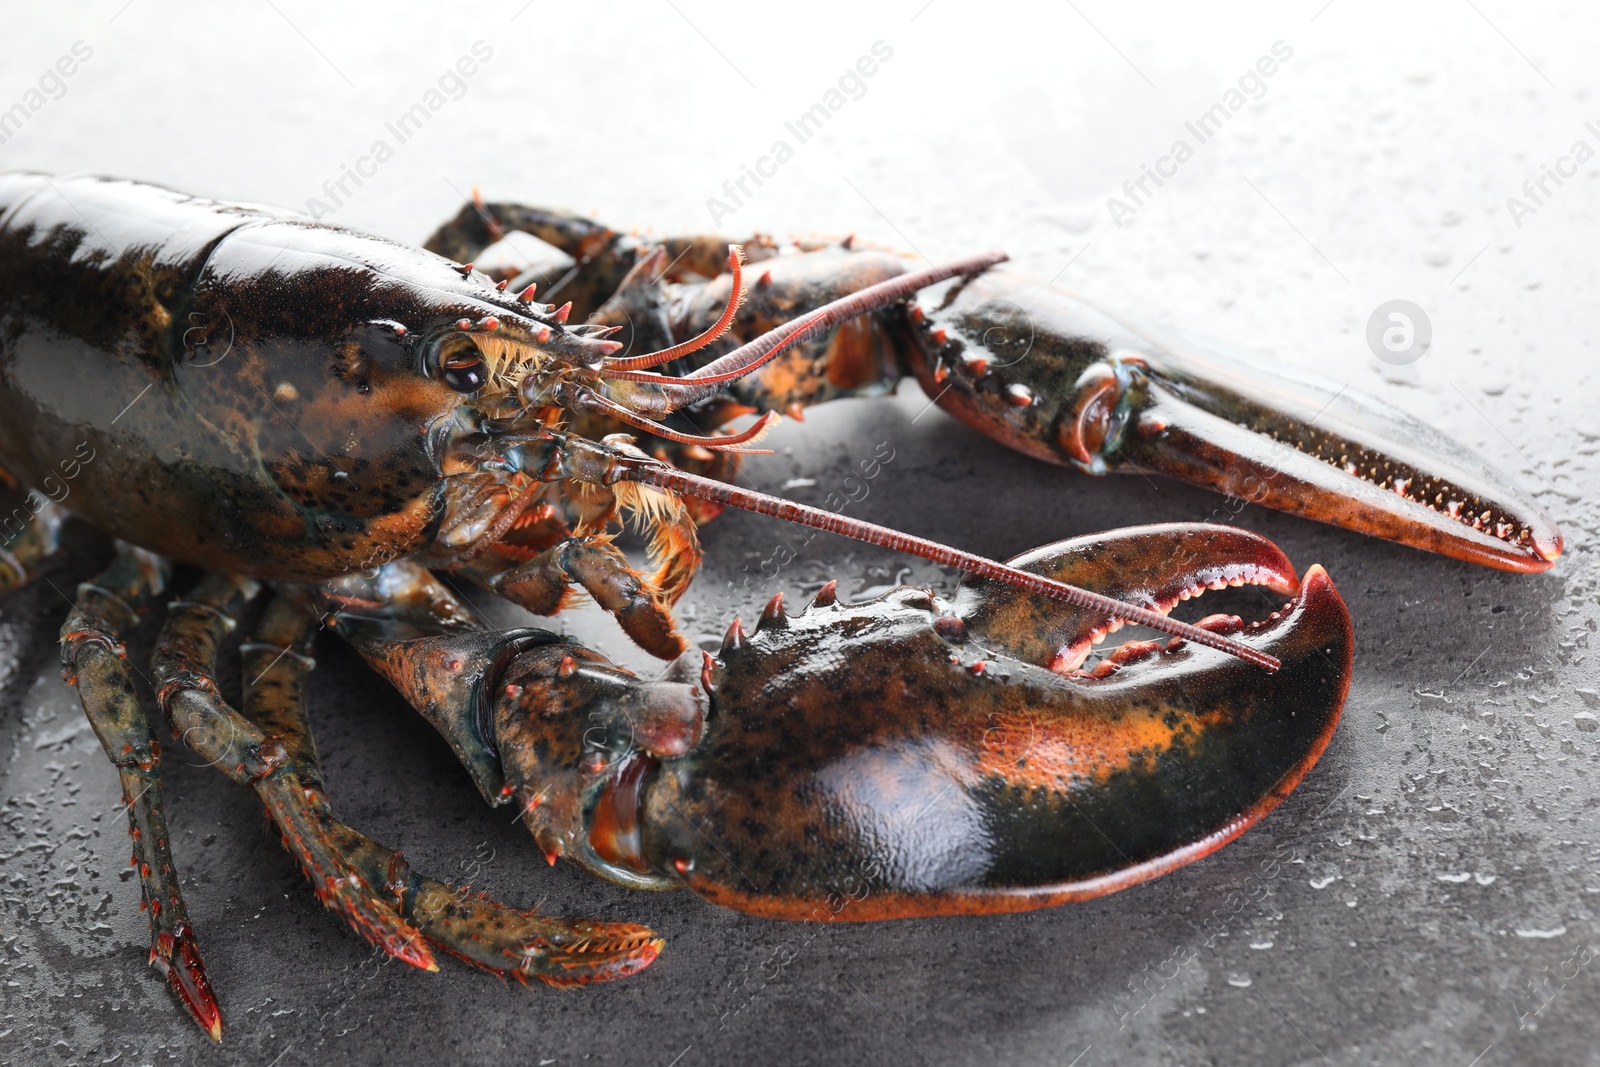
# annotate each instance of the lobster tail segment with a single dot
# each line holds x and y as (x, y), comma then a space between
(948, 769)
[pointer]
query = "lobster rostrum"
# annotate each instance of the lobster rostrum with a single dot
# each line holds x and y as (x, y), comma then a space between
(272, 400)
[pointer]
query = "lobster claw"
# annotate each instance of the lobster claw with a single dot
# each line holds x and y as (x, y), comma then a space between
(1057, 378)
(907, 756)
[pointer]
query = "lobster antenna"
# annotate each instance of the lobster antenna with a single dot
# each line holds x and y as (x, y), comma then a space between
(706, 381)
(664, 477)
(617, 368)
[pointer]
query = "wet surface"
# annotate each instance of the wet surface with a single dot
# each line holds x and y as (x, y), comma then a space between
(1427, 896)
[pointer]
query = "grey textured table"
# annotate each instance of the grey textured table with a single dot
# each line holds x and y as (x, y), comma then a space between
(1441, 902)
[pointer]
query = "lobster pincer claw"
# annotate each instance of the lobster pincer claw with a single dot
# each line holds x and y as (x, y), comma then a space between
(1053, 376)
(909, 756)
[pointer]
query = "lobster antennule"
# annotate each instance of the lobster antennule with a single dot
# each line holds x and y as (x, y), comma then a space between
(726, 443)
(749, 357)
(620, 368)
(665, 477)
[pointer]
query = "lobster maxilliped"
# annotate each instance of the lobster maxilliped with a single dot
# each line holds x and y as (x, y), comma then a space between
(352, 420)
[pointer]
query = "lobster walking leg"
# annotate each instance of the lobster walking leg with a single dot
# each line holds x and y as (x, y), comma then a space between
(31, 542)
(184, 661)
(92, 658)
(510, 942)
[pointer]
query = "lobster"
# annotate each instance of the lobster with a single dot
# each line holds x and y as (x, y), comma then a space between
(347, 420)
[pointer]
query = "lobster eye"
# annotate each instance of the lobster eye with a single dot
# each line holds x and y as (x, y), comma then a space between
(459, 364)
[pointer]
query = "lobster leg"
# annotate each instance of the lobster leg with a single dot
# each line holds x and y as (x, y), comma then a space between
(28, 542)
(185, 657)
(505, 940)
(92, 657)
(901, 757)
(1059, 379)
(911, 757)
(1056, 378)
